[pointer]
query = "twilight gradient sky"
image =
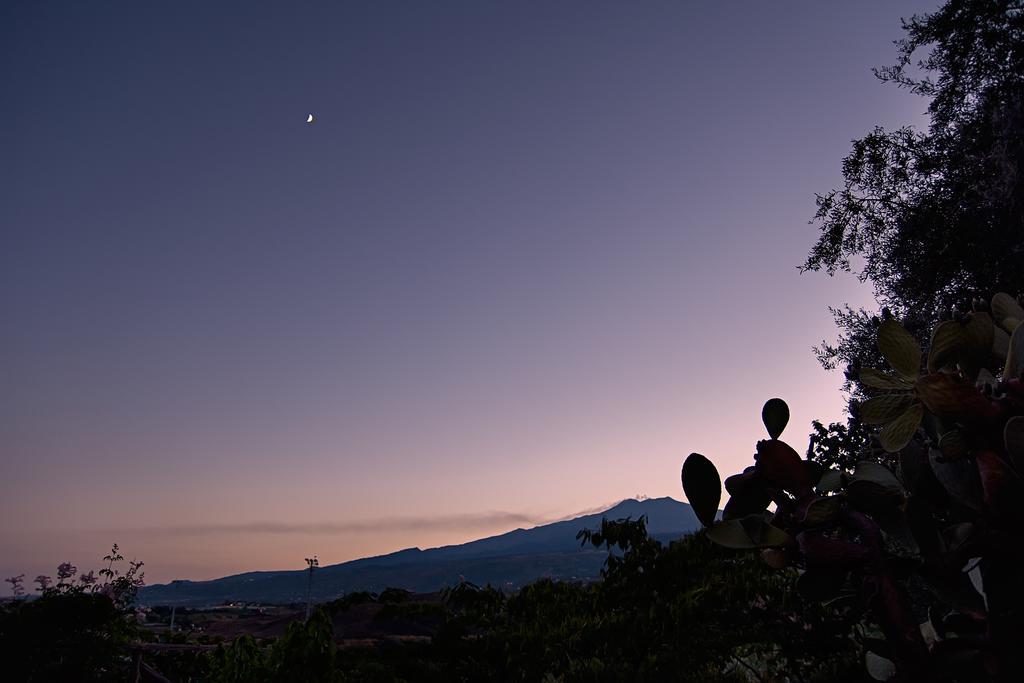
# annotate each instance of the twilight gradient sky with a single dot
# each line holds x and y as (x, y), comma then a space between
(529, 256)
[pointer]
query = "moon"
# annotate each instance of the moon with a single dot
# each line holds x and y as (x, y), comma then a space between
(309, 118)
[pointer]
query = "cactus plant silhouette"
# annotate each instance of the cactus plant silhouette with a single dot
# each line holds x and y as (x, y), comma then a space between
(950, 507)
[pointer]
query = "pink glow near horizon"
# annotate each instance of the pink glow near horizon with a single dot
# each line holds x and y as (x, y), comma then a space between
(527, 259)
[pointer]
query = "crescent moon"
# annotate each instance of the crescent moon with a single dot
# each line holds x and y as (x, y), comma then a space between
(309, 118)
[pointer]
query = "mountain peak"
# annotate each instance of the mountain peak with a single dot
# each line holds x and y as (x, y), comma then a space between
(512, 559)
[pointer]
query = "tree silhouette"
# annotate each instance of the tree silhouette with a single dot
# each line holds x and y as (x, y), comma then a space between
(934, 218)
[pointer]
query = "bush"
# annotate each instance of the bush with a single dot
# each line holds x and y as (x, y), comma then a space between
(76, 630)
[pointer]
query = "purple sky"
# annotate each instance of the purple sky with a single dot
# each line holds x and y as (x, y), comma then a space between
(527, 258)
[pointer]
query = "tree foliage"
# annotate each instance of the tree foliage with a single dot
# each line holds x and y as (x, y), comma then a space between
(934, 218)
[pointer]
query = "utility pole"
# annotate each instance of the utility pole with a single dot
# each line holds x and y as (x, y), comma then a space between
(311, 562)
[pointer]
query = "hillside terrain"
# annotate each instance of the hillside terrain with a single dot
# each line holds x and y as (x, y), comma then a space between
(509, 560)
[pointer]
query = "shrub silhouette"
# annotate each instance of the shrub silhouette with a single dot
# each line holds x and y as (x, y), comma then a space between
(77, 629)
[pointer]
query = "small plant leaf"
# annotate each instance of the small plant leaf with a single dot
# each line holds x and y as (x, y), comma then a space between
(1005, 306)
(1003, 489)
(947, 339)
(748, 495)
(868, 470)
(947, 396)
(877, 379)
(703, 487)
(740, 506)
(814, 471)
(873, 498)
(953, 445)
(960, 478)
(879, 668)
(1013, 436)
(986, 379)
(1015, 355)
(912, 464)
(875, 488)
(895, 524)
(774, 558)
(899, 348)
(821, 511)
(954, 588)
(956, 535)
(775, 416)
(765, 535)
(885, 408)
(738, 483)
(780, 465)
(731, 534)
(979, 335)
(897, 434)
(831, 480)
(1000, 345)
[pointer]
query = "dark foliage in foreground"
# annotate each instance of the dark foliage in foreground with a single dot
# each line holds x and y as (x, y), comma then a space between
(949, 506)
(690, 611)
(76, 630)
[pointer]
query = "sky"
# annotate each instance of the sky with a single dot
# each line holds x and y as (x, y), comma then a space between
(527, 257)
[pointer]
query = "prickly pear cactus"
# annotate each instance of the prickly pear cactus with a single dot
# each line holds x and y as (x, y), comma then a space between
(950, 513)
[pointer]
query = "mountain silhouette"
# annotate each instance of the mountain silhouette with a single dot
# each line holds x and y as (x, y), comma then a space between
(509, 560)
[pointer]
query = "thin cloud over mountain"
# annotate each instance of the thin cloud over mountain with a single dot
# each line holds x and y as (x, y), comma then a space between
(438, 522)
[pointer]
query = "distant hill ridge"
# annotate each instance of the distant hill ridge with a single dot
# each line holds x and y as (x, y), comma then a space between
(511, 559)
